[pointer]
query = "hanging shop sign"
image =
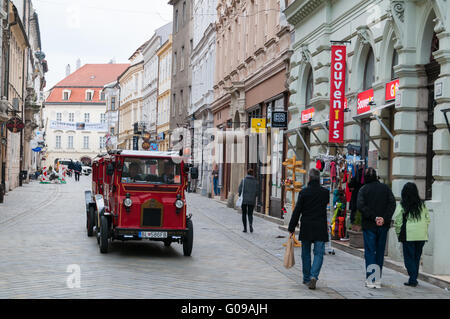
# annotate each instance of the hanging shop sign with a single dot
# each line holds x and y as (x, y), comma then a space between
(153, 147)
(135, 143)
(391, 90)
(160, 136)
(364, 98)
(258, 125)
(307, 115)
(279, 119)
(15, 125)
(145, 145)
(337, 93)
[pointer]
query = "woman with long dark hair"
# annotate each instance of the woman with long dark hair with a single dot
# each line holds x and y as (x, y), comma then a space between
(411, 220)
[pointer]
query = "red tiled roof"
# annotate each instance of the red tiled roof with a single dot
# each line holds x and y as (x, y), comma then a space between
(94, 75)
(89, 76)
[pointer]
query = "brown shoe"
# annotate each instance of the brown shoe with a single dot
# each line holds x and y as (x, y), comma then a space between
(312, 283)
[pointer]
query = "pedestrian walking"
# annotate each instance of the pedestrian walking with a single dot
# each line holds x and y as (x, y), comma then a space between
(249, 190)
(411, 221)
(215, 176)
(77, 170)
(311, 205)
(377, 205)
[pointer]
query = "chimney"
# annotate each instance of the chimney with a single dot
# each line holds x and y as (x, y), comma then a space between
(78, 63)
(67, 70)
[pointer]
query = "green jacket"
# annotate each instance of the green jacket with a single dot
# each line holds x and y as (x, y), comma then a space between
(415, 230)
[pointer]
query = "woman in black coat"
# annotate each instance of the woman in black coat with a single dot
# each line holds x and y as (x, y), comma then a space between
(249, 186)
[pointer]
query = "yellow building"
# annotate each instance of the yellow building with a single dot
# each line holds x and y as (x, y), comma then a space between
(164, 95)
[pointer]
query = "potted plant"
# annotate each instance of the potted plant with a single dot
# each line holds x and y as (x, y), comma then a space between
(355, 233)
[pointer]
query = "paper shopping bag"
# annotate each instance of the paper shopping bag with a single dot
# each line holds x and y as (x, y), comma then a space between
(289, 260)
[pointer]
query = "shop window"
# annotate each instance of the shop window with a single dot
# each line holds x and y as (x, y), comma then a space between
(365, 141)
(369, 71)
(394, 63)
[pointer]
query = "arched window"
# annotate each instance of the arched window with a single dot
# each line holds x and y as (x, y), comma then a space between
(369, 71)
(394, 63)
(309, 88)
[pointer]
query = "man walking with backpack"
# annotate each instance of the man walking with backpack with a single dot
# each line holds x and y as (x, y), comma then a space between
(377, 205)
(312, 206)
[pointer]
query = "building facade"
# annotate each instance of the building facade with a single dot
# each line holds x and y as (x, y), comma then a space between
(151, 67)
(252, 61)
(164, 95)
(112, 94)
(131, 83)
(202, 68)
(398, 59)
(75, 113)
(182, 46)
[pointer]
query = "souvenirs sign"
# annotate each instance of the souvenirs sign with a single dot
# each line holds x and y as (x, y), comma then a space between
(337, 93)
(15, 125)
(391, 90)
(306, 115)
(364, 98)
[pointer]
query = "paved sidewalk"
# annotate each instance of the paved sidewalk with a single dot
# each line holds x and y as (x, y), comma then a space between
(342, 274)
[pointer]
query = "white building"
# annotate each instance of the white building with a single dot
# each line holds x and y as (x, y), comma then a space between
(202, 65)
(111, 91)
(75, 113)
(151, 64)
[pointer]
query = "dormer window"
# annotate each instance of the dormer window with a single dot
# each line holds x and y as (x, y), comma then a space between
(66, 95)
(89, 95)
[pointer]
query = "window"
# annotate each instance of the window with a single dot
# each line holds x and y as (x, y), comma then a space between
(394, 63)
(58, 117)
(112, 130)
(102, 96)
(86, 117)
(103, 118)
(70, 142)
(102, 142)
(85, 142)
(154, 171)
(66, 95)
(192, 45)
(113, 103)
(89, 95)
(184, 12)
(58, 142)
(176, 20)
(71, 117)
(182, 59)
(174, 103)
(175, 63)
(369, 72)
(309, 88)
(182, 102)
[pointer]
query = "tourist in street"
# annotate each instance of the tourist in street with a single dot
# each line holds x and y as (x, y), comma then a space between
(311, 205)
(249, 190)
(215, 176)
(411, 220)
(377, 205)
(77, 170)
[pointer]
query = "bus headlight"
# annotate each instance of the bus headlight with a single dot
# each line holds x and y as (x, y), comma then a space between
(179, 203)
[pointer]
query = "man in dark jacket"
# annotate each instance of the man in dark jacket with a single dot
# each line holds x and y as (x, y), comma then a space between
(312, 206)
(249, 187)
(77, 170)
(377, 205)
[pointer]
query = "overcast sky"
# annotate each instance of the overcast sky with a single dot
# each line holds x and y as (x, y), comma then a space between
(95, 31)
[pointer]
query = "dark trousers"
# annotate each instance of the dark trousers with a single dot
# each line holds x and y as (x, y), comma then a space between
(247, 210)
(77, 176)
(374, 246)
(412, 251)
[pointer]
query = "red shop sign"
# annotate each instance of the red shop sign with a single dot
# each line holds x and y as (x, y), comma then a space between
(391, 90)
(337, 93)
(307, 114)
(363, 101)
(15, 125)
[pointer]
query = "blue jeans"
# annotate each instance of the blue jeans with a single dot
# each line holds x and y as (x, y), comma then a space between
(412, 251)
(216, 189)
(374, 246)
(314, 270)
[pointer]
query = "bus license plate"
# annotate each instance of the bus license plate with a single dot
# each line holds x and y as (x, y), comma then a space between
(153, 234)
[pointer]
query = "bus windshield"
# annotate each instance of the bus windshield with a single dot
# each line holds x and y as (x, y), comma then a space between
(151, 171)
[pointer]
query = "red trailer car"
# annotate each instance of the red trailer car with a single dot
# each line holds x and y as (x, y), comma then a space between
(139, 195)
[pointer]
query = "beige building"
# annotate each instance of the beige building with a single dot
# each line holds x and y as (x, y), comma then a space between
(252, 54)
(164, 94)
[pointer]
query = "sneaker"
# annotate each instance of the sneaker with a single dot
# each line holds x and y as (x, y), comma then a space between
(410, 284)
(369, 284)
(312, 283)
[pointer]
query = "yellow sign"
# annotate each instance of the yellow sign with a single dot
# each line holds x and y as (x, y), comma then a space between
(258, 125)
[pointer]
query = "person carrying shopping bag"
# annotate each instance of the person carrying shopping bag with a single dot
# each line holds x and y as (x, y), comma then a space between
(312, 206)
(411, 221)
(248, 190)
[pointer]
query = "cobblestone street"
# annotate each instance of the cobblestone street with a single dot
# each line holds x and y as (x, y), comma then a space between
(42, 233)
